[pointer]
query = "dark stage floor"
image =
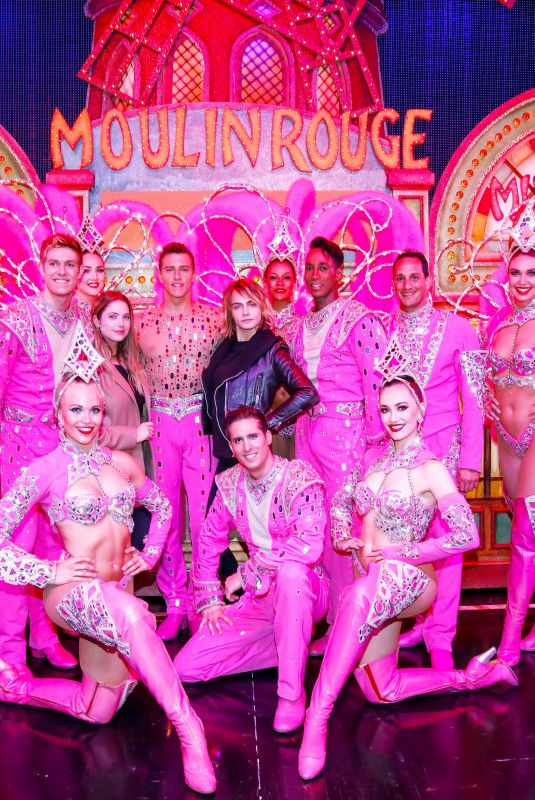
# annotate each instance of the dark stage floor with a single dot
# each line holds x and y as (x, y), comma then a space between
(454, 747)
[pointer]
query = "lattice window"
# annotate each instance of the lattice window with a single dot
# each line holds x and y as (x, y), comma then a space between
(327, 92)
(262, 79)
(188, 71)
(127, 86)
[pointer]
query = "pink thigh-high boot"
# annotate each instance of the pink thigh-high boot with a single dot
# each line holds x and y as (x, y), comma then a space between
(382, 682)
(521, 578)
(104, 612)
(89, 700)
(366, 605)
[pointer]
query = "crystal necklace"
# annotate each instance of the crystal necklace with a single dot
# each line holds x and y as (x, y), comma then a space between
(259, 489)
(84, 463)
(61, 321)
(315, 320)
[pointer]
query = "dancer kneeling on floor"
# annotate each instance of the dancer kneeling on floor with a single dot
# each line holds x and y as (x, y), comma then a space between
(396, 500)
(89, 493)
(277, 506)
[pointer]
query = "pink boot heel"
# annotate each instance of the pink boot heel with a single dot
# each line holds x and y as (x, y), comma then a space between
(485, 670)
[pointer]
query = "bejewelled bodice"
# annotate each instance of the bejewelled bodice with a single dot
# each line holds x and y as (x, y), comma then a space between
(402, 517)
(88, 509)
(519, 368)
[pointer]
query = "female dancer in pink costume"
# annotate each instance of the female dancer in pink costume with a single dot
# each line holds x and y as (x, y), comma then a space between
(89, 494)
(396, 501)
(512, 359)
(279, 280)
(123, 379)
(92, 279)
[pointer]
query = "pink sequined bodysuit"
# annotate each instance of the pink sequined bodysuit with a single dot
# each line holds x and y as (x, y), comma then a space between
(176, 348)
(516, 370)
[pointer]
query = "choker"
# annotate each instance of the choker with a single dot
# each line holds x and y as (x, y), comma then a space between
(259, 489)
(83, 463)
(61, 321)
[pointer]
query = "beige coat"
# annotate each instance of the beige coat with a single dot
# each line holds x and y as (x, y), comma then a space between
(121, 419)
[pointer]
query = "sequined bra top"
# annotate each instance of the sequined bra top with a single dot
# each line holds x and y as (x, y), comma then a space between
(519, 368)
(400, 516)
(87, 509)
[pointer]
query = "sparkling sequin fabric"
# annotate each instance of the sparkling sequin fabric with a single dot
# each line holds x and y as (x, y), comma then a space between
(84, 610)
(88, 509)
(400, 516)
(18, 567)
(519, 368)
(412, 332)
(399, 585)
(460, 520)
(474, 366)
(61, 321)
(176, 348)
(16, 503)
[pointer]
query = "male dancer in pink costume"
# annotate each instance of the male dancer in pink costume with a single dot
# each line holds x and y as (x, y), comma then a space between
(338, 344)
(35, 337)
(277, 506)
(443, 354)
(177, 340)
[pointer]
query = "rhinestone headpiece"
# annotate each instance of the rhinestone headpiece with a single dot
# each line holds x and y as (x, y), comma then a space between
(396, 365)
(89, 237)
(82, 360)
(523, 231)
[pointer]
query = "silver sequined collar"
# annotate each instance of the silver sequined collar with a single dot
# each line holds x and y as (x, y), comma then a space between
(413, 455)
(315, 320)
(416, 320)
(61, 321)
(259, 489)
(83, 463)
(282, 317)
(518, 315)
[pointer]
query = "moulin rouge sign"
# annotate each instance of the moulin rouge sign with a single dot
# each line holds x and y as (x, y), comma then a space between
(307, 142)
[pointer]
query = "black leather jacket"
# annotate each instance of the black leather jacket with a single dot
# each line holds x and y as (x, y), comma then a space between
(249, 374)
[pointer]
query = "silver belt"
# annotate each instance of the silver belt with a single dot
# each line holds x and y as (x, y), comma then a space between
(178, 408)
(23, 417)
(354, 408)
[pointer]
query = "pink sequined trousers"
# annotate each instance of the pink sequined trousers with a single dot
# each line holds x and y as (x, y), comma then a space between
(269, 631)
(182, 460)
(20, 445)
(334, 447)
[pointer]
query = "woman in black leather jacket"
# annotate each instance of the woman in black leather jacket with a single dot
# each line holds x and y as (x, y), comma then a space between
(247, 369)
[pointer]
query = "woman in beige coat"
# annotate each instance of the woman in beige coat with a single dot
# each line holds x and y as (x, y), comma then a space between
(126, 390)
